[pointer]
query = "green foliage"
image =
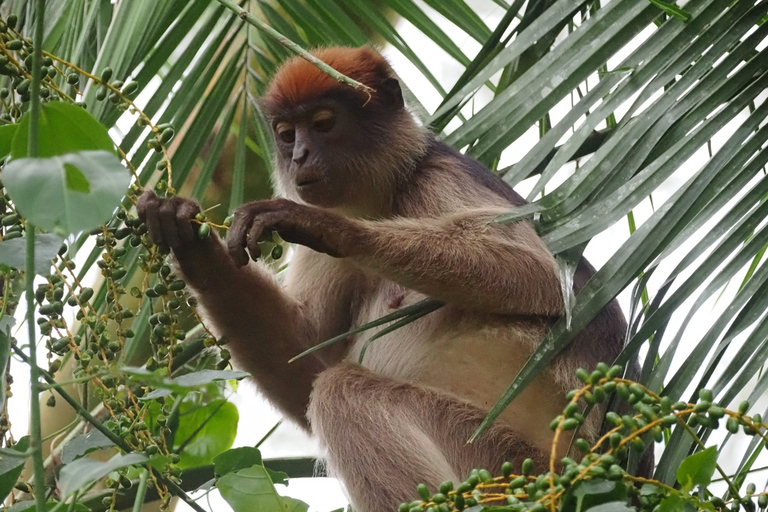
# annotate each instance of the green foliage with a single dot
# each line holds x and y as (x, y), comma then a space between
(76, 475)
(181, 77)
(13, 252)
(11, 466)
(697, 469)
(64, 128)
(69, 193)
(205, 432)
(252, 489)
(600, 481)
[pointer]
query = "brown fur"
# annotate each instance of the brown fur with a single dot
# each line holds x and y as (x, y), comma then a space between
(299, 82)
(390, 216)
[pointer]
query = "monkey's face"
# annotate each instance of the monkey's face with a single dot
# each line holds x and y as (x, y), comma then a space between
(323, 149)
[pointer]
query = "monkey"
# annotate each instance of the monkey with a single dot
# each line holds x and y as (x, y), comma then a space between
(382, 215)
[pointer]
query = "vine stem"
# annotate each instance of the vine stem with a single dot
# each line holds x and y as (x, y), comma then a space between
(141, 493)
(36, 441)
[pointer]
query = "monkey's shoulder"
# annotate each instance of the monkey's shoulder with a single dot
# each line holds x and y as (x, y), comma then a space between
(446, 181)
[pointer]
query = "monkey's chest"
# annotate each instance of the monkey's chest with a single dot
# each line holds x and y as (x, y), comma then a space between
(400, 353)
(449, 348)
(446, 338)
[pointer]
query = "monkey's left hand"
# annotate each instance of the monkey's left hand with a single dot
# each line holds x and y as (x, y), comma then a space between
(316, 228)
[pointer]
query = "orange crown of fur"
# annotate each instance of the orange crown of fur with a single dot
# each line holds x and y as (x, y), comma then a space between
(297, 81)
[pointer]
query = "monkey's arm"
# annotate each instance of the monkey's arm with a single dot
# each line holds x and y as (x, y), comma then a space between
(265, 326)
(462, 259)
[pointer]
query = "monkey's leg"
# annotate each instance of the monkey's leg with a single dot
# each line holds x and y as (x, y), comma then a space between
(383, 437)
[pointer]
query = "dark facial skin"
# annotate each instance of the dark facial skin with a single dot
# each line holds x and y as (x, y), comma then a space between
(311, 144)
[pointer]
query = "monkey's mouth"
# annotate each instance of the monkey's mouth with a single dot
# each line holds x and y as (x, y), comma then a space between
(306, 182)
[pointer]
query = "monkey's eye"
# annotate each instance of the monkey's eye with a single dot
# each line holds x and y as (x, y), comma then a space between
(324, 121)
(285, 132)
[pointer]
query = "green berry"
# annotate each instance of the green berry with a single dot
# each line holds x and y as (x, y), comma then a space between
(527, 467)
(716, 411)
(130, 87)
(517, 483)
(583, 445)
(743, 407)
(166, 135)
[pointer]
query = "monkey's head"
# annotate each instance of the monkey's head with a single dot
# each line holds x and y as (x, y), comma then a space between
(336, 146)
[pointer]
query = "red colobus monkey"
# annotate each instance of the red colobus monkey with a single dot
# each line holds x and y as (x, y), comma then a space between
(384, 215)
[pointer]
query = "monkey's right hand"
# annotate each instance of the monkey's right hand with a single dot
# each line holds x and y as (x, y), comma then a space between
(170, 223)
(169, 220)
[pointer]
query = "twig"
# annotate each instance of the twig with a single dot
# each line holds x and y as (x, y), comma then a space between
(295, 48)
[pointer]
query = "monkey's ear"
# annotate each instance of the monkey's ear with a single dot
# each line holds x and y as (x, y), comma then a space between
(390, 93)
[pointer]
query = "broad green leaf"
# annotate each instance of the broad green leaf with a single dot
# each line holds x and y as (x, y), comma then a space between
(63, 128)
(293, 505)
(30, 506)
(11, 466)
(13, 253)
(278, 477)
(612, 506)
(236, 459)
(81, 472)
(202, 377)
(589, 493)
(7, 133)
(83, 445)
(205, 431)
(697, 469)
(76, 180)
(184, 382)
(252, 489)
(40, 189)
(675, 503)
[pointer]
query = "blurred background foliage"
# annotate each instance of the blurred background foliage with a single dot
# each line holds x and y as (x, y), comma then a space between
(588, 107)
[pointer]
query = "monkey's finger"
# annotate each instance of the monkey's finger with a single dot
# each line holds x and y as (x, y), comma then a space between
(184, 215)
(141, 205)
(148, 209)
(236, 239)
(167, 214)
(253, 238)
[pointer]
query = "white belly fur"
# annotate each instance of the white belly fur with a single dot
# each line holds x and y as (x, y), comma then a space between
(465, 356)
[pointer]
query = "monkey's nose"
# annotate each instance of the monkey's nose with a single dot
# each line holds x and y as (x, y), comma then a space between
(300, 154)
